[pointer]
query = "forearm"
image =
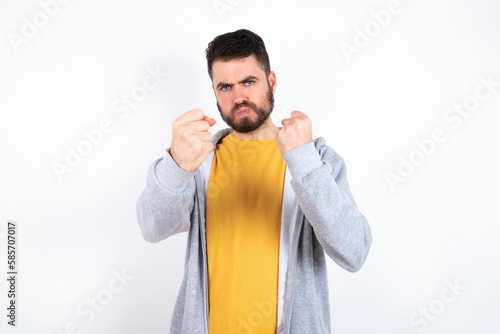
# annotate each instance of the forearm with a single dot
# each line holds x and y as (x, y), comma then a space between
(164, 206)
(323, 193)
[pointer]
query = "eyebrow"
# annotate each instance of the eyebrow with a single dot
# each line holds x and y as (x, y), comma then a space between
(250, 77)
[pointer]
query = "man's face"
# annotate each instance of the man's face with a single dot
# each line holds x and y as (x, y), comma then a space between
(245, 96)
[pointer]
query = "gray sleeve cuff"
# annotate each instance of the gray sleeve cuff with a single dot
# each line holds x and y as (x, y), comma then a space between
(301, 161)
(170, 175)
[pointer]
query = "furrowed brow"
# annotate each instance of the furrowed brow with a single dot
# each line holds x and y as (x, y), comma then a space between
(250, 77)
(223, 84)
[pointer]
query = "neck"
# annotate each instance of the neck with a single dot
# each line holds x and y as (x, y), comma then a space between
(267, 131)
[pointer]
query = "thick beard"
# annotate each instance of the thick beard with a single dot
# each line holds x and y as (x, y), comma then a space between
(246, 125)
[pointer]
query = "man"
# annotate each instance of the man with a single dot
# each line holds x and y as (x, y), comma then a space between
(262, 205)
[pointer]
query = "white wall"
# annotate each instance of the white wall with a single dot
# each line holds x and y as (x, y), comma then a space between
(434, 227)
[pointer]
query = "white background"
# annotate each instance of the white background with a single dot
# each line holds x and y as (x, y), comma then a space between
(435, 229)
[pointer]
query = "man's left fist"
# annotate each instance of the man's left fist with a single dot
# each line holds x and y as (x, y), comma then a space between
(296, 131)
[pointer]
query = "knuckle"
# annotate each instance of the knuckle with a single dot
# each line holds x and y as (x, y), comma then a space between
(196, 112)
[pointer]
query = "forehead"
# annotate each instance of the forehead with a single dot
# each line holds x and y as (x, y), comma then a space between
(236, 69)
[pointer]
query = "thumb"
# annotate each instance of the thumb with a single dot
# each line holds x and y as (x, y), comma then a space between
(287, 121)
(210, 121)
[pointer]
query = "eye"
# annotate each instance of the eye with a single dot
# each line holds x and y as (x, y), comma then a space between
(249, 82)
(224, 88)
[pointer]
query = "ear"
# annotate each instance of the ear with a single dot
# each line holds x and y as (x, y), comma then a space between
(272, 80)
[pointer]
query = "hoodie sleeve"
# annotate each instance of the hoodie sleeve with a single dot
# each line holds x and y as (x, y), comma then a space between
(165, 205)
(320, 184)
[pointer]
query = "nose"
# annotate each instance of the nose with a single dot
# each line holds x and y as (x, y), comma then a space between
(239, 95)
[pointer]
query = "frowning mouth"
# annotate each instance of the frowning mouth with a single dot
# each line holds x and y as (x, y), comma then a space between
(243, 111)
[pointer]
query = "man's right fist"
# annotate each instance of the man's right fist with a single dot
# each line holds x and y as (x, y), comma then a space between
(191, 141)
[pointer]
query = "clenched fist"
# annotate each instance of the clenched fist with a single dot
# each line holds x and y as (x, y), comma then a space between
(296, 131)
(191, 141)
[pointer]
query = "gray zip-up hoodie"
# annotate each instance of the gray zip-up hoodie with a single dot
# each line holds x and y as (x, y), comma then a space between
(319, 216)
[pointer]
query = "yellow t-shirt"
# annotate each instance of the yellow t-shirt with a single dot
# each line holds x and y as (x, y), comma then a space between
(243, 222)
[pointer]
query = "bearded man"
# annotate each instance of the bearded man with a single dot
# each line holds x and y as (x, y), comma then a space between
(262, 205)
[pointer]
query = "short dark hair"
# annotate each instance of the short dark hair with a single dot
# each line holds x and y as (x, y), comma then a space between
(235, 45)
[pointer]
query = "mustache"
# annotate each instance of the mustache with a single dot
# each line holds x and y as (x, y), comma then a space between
(250, 105)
